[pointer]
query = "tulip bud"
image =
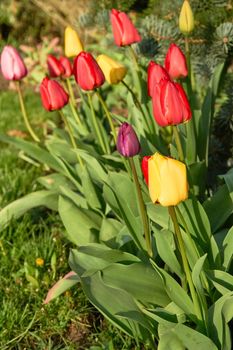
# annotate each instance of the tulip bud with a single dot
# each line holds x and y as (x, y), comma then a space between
(87, 72)
(155, 73)
(123, 29)
(167, 180)
(53, 96)
(186, 19)
(127, 141)
(175, 62)
(170, 104)
(12, 65)
(54, 66)
(144, 167)
(67, 67)
(73, 44)
(114, 72)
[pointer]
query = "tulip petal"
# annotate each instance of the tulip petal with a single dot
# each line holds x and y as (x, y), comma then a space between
(130, 33)
(117, 27)
(154, 178)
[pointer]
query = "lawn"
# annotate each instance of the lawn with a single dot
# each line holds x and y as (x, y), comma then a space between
(69, 322)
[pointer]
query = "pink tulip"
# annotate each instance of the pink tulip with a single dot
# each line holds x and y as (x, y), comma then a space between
(12, 65)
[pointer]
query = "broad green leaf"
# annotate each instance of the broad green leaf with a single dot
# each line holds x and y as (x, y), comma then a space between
(65, 283)
(78, 199)
(82, 225)
(221, 280)
(14, 210)
(170, 341)
(54, 181)
(90, 190)
(94, 166)
(166, 248)
(197, 177)
(62, 149)
(158, 214)
(139, 280)
(198, 280)
(227, 249)
(175, 291)
(109, 231)
(219, 207)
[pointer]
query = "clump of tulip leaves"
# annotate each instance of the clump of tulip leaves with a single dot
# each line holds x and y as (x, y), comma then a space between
(147, 297)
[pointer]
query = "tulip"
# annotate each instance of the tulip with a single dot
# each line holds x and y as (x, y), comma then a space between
(87, 72)
(12, 65)
(167, 180)
(53, 96)
(186, 19)
(67, 67)
(175, 62)
(144, 167)
(170, 104)
(114, 72)
(123, 29)
(127, 141)
(54, 66)
(73, 44)
(155, 74)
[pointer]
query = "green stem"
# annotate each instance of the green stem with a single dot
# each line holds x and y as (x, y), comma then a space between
(95, 124)
(72, 139)
(107, 114)
(187, 271)
(178, 143)
(24, 113)
(142, 208)
(72, 102)
(187, 54)
(134, 58)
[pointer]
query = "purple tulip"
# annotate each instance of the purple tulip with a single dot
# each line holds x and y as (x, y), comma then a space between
(127, 141)
(12, 65)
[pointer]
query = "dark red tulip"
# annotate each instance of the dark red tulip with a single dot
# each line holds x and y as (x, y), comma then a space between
(127, 141)
(175, 62)
(53, 96)
(155, 73)
(123, 29)
(144, 167)
(54, 66)
(87, 72)
(67, 67)
(170, 103)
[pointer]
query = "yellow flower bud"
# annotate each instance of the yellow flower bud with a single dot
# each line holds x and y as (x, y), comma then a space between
(39, 262)
(186, 19)
(113, 71)
(167, 180)
(73, 45)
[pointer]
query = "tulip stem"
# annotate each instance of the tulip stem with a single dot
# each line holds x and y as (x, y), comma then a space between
(24, 113)
(134, 58)
(136, 101)
(178, 143)
(72, 101)
(187, 271)
(95, 124)
(72, 139)
(103, 103)
(142, 208)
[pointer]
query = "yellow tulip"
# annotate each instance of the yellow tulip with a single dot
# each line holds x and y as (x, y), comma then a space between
(73, 45)
(113, 71)
(167, 180)
(186, 19)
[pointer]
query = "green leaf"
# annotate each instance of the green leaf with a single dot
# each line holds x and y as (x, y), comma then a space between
(197, 180)
(90, 190)
(197, 277)
(14, 210)
(166, 248)
(227, 249)
(82, 225)
(109, 231)
(65, 283)
(221, 280)
(54, 181)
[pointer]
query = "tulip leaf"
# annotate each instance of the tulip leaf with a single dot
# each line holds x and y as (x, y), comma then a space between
(221, 280)
(90, 190)
(76, 198)
(65, 283)
(53, 181)
(16, 209)
(82, 225)
(62, 148)
(109, 231)
(227, 252)
(166, 248)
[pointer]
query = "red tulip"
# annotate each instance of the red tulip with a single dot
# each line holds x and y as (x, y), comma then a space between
(54, 66)
(175, 62)
(127, 141)
(67, 67)
(87, 72)
(123, 29)
(170, 103)
(144, 167)
(12, 65)
(53, 96)
(155, 74)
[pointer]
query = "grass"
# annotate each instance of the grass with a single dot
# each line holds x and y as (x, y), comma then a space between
(69, 322)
